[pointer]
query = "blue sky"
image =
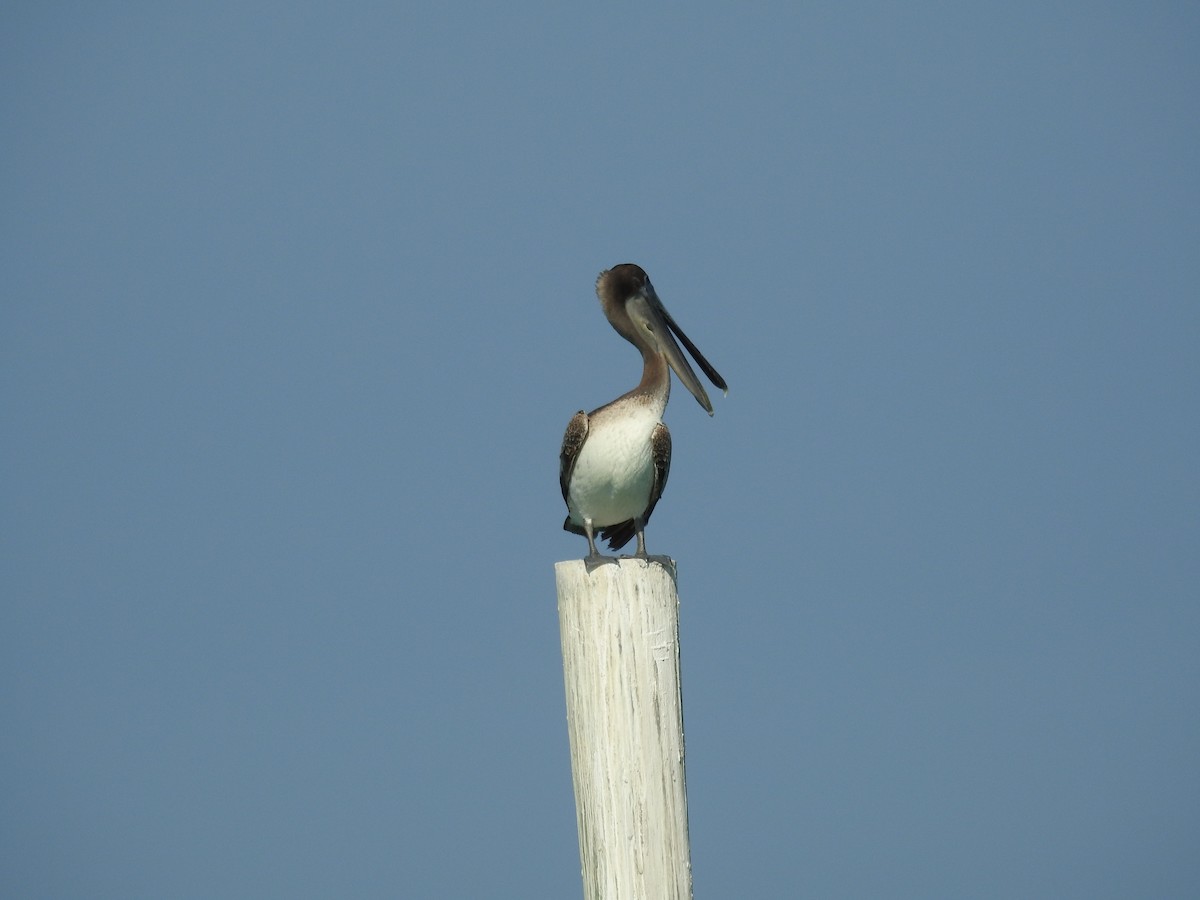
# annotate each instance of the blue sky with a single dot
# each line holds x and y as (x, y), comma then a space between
(298, 301)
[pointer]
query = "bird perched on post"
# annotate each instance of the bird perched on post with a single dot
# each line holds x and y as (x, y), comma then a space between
(614, 460)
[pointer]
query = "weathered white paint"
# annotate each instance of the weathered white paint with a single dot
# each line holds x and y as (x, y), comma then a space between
(620, 645)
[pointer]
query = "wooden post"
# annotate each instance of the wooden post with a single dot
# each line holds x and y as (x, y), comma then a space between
(620, 644)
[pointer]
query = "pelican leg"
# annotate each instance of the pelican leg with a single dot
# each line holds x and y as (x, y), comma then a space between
(641, 538)
(593, 558)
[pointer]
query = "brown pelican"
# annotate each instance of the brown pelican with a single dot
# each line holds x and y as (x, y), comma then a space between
(614, 460)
